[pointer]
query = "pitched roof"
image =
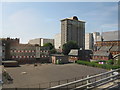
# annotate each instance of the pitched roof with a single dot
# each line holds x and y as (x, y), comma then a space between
(74, 52)
(115, 48)
(105, 48)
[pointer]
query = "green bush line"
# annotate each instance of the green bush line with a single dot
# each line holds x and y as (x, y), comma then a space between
(94, 64)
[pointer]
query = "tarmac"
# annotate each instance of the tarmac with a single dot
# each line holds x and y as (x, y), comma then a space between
(30, 75)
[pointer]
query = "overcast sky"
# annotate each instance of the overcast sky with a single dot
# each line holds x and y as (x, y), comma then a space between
(28, 20)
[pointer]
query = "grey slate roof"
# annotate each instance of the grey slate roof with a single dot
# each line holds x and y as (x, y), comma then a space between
(105, 48)
(98, 47)
(111, 36)
(74, 52)
(115, 48)
(101, 53)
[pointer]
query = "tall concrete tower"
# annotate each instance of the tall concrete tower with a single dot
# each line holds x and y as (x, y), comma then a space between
(73, 29)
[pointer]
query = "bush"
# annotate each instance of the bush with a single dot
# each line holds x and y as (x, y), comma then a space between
(94, 64)
(110, 62)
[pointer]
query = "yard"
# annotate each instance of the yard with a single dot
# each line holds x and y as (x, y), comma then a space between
(34, 76)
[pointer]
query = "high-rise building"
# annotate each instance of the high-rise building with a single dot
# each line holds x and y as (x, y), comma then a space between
(73, 29)
(95, 36)
(89, 41)
(58, 40)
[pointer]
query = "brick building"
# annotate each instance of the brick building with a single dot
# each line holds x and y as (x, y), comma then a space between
(108, 44)
(23, 53)
(76, 54)
(6, 44)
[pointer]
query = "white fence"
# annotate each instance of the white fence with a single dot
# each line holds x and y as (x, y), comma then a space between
(90, 81)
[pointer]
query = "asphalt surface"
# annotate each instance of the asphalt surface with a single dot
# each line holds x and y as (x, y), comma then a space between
(28, 75)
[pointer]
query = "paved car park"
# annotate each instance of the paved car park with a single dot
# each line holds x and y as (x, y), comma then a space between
(27, 75)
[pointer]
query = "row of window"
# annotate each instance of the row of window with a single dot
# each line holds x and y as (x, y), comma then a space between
(23, 56)
(44, 56)
(73, 57)
(26, 51)
(22, 50)
(99, 57)
(28, 56)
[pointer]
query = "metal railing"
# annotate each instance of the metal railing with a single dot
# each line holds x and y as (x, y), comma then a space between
(90, 81)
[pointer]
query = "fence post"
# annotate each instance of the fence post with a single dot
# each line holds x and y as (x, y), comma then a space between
(87, 81)
(67, 85)
(111, 74)
(82, 81)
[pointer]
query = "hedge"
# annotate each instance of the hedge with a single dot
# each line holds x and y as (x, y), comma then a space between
(93, 64)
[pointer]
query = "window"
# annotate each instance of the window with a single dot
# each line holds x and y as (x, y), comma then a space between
(16, 56)
(24, 56)
(13, 56)
(20, 56)
(27, 57)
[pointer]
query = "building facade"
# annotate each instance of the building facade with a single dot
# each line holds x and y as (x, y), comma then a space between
(41, 41)
(59, 59)
(57, 41)
(27, 53)
(73, 29)
(109, 43)
(89, 41)
(23, 53)
(76, 54)
(6, 44)
(95, 36)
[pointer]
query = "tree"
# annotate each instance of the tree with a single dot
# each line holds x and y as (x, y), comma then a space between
(52, 49)
(68, 46)
(49, 45)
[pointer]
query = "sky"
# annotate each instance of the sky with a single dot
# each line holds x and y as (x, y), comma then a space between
(29, 20)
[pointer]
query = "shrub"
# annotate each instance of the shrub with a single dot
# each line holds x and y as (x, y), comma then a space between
(94, 64)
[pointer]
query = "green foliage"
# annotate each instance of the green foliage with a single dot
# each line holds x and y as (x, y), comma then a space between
(118, 62)
(68, 46)
(49, 45)
(52, 51)
(109, 62)
(93, 64)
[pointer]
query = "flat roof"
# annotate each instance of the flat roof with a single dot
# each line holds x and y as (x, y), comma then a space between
(72, 19)
(57, 55)
(9, 61)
